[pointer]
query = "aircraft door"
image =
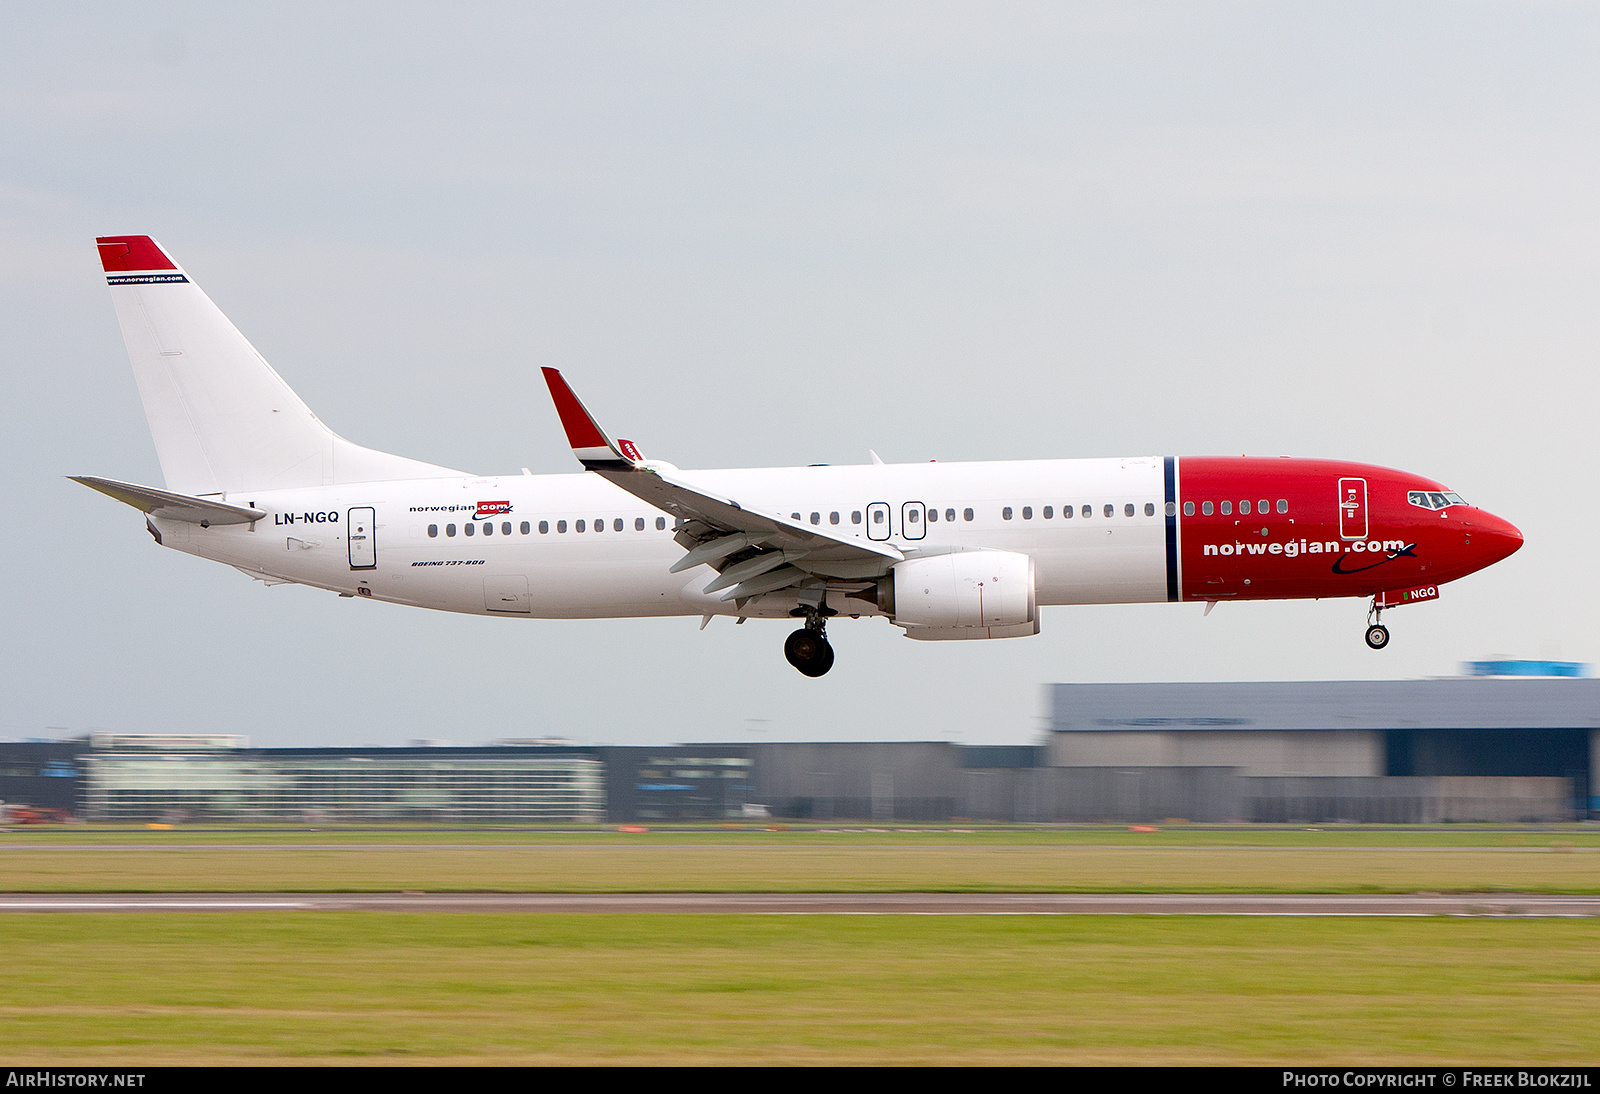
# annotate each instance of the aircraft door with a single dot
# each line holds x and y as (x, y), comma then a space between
(912, 520)
(1353, 508)
(358, 534)
(878, 520)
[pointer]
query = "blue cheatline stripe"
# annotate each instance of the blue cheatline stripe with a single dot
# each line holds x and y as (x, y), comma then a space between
(1172, 526)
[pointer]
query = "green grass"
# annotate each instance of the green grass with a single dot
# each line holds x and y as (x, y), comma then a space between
(372, 988)
(1174, 860)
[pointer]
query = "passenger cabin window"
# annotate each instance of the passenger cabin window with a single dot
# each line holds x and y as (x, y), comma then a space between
(488, 528)
(1110, 509)
(1066, 512)
(1005, 514)
(1188, 509)
(1283, 505)
(1049, 511)
(877, 516)
(966, 514)
(1088, 510)
(1149, 508)
(1172, 508)
(1263, 507)
(1027, 512)
(544, 528)
(855, 516)
(433, 531)
(1244, 509)
(505, 528)
(580, 526)
(449, 529)
(1205, 508)
(1127, 510)
(561, 527)
(470, 529)
(816, 518)
(833, 518)
(933, 516)
(638, 524)
(950, 515)
(1227, 508)
(661, 523)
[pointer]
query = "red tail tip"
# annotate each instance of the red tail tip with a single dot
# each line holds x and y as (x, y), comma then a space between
(120, 254)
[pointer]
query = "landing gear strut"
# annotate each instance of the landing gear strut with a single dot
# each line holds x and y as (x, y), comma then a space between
(1377, 633)
(807, 648)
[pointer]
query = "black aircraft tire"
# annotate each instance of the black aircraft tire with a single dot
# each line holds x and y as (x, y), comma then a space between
(1377, 636)
(809, 652)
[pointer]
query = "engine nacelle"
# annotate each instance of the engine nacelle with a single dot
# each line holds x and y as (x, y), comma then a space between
(966, 594)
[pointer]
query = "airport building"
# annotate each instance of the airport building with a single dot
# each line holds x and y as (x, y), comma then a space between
(1504, 747)
(220, 778)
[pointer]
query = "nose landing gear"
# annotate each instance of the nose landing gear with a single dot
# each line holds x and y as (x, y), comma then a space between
(807, 648)
(1377, 633)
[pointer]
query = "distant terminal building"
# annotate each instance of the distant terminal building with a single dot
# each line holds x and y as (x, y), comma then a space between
(219, 778)
(1501, 744)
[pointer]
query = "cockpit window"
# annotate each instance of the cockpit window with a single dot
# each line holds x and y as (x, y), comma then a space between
(1435, 499)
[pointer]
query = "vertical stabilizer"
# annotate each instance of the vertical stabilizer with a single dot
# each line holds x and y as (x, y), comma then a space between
(222, 419)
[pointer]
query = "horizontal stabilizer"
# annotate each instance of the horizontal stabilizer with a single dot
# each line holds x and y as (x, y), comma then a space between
(162, 503)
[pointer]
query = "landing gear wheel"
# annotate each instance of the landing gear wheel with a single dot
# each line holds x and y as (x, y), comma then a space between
(809, 651)
(1377, 636)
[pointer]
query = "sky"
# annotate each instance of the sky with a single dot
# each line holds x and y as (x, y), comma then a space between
(777, 234)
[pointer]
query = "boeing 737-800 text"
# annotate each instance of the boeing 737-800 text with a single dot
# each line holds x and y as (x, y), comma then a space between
(944, 550)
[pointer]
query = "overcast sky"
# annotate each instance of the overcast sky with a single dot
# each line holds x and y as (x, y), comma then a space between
(768, 234)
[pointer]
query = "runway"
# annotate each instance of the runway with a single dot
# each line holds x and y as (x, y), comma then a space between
(1518, 905)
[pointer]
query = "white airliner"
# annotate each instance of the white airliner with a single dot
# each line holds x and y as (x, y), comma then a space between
(944, 550)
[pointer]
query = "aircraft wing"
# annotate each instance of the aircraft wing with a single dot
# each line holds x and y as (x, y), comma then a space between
(755, 552)
(163, 503)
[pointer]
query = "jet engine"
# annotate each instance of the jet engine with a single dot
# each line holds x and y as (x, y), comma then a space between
(964, 594)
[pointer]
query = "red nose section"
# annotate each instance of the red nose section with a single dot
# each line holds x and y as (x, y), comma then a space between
(1501, 537)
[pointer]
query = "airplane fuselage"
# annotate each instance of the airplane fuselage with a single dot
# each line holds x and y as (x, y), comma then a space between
(1100, 531)
(948, 551)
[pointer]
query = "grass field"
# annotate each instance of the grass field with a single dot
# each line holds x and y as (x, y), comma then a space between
(1177, 859)
(373, 988)
(309, 987)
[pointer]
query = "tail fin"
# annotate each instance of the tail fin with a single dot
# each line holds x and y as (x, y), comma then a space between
(222, 419)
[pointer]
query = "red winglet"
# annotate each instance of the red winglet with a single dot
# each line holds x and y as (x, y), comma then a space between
(582, 432)
(120, 254)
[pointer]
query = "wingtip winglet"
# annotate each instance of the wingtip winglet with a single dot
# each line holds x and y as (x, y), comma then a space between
(593, 447)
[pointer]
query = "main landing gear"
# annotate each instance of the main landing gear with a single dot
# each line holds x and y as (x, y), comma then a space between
(807, 648)
(1377, 633)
